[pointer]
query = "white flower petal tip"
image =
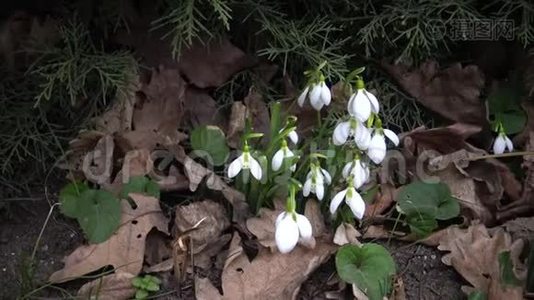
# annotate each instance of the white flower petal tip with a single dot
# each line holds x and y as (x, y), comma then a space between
(326, 95)
(278, 159)
(392, 136)
(375, 107)
(293, 137)
(289, 227)
(341, 133)
(255, 168)
(235, 167)
(286, 233)
(336, 201)
(356, 204)
(509, 144)
(303, 96)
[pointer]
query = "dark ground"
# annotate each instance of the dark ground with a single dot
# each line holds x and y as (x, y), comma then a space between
(420, 267)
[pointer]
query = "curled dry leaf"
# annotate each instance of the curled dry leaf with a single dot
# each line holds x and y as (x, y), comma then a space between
(136, 163)
(474, 253)
(269, 275)
(196, 173)
(452, 92)
(212, 63)
(236, 124)
(213, 216)
(257, 111)
(346, 234)
(117, 286)
(125, 249)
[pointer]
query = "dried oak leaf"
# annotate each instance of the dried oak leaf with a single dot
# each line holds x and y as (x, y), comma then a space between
(236, 124)
(159, 107)
(257, 111)
(270, 275)
(346, 234)
(210, 64)
(119, 117)
(474, 253)
(453, 92)
(117, 286)
(125, 249)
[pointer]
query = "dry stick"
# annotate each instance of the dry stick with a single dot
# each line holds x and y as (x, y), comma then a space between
(510, 154)
(42, 230)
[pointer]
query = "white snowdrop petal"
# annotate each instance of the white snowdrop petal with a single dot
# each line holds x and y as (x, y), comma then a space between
(341, 133)
(303, 96)
(293, 137)
(392, 136)
(279, 218)
(308, 176)
(499, 145)
(509, 144)
(307, 187)
(346, 169)
(377, 149)
(336, 201)
(315, 97)
(350, 104)
(356, 204)
(286, 234)
(375, 107)
(278, 159)
(362, 136)
(255, 168)
(326, 175)
(235, 167)
(361, 106)
(326, 95)
(305, 227)
(319, 191)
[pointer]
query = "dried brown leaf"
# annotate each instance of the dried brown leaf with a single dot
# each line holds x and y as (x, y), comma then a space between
(125, 249)
(257, 111)
(452, 92)
(236, 124)
(98, 163)
(474, 252)
(210, 64)
(214, 217)
(346, 234)
(117, 286)
(201, 109)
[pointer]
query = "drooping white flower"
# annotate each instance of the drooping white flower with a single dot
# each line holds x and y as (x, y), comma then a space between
(358, 170)
(280, 155)
(502, 143)
(289, 227)
(245, 161)
(319, 95)
(352, 199)
(292, 135)
(377, 146)
(352, 128)
(315, 182)
(362, 103)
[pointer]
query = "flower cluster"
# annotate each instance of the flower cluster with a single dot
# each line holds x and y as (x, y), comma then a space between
(364, 135)
(502, 142)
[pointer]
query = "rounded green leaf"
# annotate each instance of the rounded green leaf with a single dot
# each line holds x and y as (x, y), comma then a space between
(430, 199)
(69, 198)
(140, 185)
(209, 142)
(421, 224)
(370, 267)
(141, 294)
(512, 121)
(101, 214)
(504, 106)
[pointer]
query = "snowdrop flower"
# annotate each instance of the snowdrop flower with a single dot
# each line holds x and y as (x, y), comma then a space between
(358, 170)
(352, 199)
(245, 161)
(319, 95)
(315, 182)
(377, 146)
(289, 227)
(279, 157)
(352, 129)
(362, 103)
(502, 143)
(292, 135)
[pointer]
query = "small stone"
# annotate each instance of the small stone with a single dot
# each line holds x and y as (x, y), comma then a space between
(433, 256)
(4, 269)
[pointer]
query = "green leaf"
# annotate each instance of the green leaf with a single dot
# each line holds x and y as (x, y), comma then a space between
(210, 143)
(137, 282)
(140, 185)
(477, 295)
(141, 294)
(421, 224)
(152, 287)
(507, 270)
(512, 121)
(69, 198)
(504, 106)
(101, 214)
(431, 199)
(370, 267)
